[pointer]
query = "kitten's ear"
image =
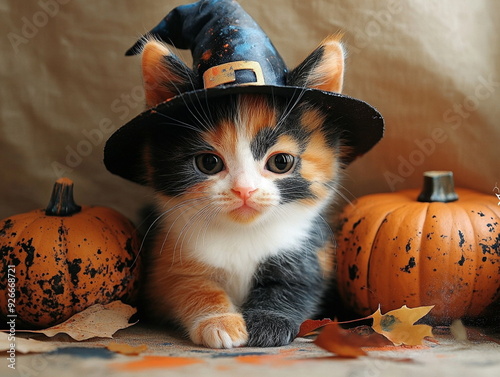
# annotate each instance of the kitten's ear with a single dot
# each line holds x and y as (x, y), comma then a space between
(164, 74)
(323, 69)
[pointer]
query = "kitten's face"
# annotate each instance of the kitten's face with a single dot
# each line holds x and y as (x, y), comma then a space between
(241, 159)
(250, 162)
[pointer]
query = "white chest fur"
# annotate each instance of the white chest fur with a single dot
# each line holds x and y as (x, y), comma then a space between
(239, 248)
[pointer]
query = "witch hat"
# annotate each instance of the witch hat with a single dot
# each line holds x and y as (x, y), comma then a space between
(231, 55)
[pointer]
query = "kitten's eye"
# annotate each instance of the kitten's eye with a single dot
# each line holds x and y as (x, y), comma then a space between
(280, 163)
(209, 163)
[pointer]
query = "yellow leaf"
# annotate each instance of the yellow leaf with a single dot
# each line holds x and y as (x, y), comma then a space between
(126, 349)
(398, 325)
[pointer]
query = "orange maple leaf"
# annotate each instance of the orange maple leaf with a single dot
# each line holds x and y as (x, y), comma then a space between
(339, 341)
(350, 342)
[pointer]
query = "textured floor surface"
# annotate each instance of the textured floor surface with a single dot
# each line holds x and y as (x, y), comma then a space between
(170, 355)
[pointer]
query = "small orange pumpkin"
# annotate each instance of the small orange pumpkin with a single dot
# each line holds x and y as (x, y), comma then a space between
(440, 250)
(64, 259)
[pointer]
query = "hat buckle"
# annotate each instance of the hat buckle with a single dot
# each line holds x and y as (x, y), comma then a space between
(227, 74)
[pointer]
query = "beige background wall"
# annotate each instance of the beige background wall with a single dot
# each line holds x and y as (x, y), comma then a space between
(431, 67)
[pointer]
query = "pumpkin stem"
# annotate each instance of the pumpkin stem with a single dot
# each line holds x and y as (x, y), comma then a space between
(61, 202)
(438, 187)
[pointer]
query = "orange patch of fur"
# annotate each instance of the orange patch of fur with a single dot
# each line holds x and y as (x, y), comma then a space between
(188, 288)
(285, 144)
(155, 73)
(326, 257)
(223, 138)
(191, 292)
(255, 114)
(312, 119)
(329, 73)
(318, 160)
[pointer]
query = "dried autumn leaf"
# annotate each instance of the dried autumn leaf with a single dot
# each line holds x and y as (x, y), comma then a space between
(126, 349)
(349, 343)
(310, 325)
(339, 341)
(97, 321)
(398, 325)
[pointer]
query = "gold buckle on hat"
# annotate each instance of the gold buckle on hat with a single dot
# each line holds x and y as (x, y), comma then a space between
(226, 73)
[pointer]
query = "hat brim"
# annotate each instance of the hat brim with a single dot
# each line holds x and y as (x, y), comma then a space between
(362, 126)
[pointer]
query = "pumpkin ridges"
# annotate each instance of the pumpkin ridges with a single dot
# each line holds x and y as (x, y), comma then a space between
(111, 248)
(393, 256)
(123, 223)
(423, 265)
(479, 286)
(31, 280)
(61, 303)
(132, 245)
(51, 286)
(462, 258)
(436, 234)
(84, 258)
(471, 289)
(377, 200)
(354, 257)
(357, 251)
(489, 277)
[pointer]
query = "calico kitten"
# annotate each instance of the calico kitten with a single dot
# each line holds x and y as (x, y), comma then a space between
(242, 252)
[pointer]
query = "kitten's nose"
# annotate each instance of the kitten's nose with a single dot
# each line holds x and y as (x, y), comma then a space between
(244, 192)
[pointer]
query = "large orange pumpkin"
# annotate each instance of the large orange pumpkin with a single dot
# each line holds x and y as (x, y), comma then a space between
(58, 261)
(440, 250)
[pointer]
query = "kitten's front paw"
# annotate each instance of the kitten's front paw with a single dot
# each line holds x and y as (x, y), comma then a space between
(220, 331)
(269, 329)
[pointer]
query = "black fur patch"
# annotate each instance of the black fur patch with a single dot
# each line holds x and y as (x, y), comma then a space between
(172, 156)
(294, 188)
(186, 76)
(262, 142)
(287, 289)
(298, 76)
